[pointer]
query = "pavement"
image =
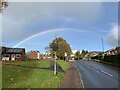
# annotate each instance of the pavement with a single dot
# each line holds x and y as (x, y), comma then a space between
(72, 78)
(98, 75)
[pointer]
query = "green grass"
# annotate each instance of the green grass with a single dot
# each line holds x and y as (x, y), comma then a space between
(97, 60)
(22, 77)
(32, 63)
(63, 64)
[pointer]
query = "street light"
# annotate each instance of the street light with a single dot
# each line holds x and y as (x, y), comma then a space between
(102, 47)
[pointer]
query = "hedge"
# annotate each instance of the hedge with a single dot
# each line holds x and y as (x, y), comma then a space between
(110, 58)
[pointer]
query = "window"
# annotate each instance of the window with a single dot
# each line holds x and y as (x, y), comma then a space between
(13, 55)
(18, 55)
(6, 55)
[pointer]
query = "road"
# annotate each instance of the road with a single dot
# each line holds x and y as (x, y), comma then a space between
(97, 75)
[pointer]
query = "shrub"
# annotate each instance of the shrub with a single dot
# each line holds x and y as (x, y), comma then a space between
(108, 58)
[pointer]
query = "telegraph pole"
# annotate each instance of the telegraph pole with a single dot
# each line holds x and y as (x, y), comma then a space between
(102, 47)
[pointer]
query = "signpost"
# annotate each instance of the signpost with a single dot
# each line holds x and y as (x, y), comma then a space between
(102, 48)
(55, 64)
(55, 48)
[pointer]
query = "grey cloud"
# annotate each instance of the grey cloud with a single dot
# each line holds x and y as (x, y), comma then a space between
(25, 11)
(64, 0)
(19, 15)
(113, 36)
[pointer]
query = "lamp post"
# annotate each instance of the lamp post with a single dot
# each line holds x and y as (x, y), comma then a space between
(102, 47)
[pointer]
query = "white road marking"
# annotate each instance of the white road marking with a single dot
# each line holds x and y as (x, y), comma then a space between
(106, 73)
(98, 70)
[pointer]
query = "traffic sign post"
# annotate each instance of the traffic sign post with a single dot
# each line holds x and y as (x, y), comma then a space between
(55, 64)
(55, 48)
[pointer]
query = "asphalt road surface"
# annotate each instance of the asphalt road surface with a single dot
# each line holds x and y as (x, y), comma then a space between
(97, 75)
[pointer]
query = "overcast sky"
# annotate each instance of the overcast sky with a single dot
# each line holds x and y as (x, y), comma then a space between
(34, 25)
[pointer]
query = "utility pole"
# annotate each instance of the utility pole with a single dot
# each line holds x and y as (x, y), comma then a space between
(102, 47)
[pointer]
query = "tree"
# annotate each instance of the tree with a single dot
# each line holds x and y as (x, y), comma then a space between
(78, 55)
(83, 53)
(63, 47)
(3, 5)
(47, 49)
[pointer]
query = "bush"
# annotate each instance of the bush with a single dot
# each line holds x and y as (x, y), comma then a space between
(109, 58)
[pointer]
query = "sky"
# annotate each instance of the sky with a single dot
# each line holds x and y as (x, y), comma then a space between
(33, 25)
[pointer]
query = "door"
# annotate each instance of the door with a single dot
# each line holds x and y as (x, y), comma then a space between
(13, 57)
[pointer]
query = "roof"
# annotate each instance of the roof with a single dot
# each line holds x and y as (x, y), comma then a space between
(96, 51)
(117, 48)
(32, 51)
(12, 50)
(92, 53)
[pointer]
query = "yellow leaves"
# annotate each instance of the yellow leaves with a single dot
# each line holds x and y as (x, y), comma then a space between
(42, 84)
(29, 77)
(24, 77)
(12, 79)
(14, 84)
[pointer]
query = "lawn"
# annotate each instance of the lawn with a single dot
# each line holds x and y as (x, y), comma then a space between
(32, 63)
(63, 64)
(23, 77)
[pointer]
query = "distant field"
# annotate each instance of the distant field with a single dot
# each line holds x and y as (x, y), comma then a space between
(23, 77)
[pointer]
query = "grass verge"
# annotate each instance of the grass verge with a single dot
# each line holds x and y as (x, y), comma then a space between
(22, 77)
(63, 64)
(32, 63)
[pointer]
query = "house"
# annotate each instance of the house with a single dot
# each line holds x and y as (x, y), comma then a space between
(11, 54)
(0, 52)
(91, 54)
(117, 50)
(35, 55)
(44, 56)
(113, 51)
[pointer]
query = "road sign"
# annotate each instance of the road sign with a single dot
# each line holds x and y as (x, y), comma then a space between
(55, 47)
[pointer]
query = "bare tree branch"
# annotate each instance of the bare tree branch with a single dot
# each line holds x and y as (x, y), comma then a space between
(3, 5)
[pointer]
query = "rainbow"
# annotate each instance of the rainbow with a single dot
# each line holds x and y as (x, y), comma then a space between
(54, 30)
